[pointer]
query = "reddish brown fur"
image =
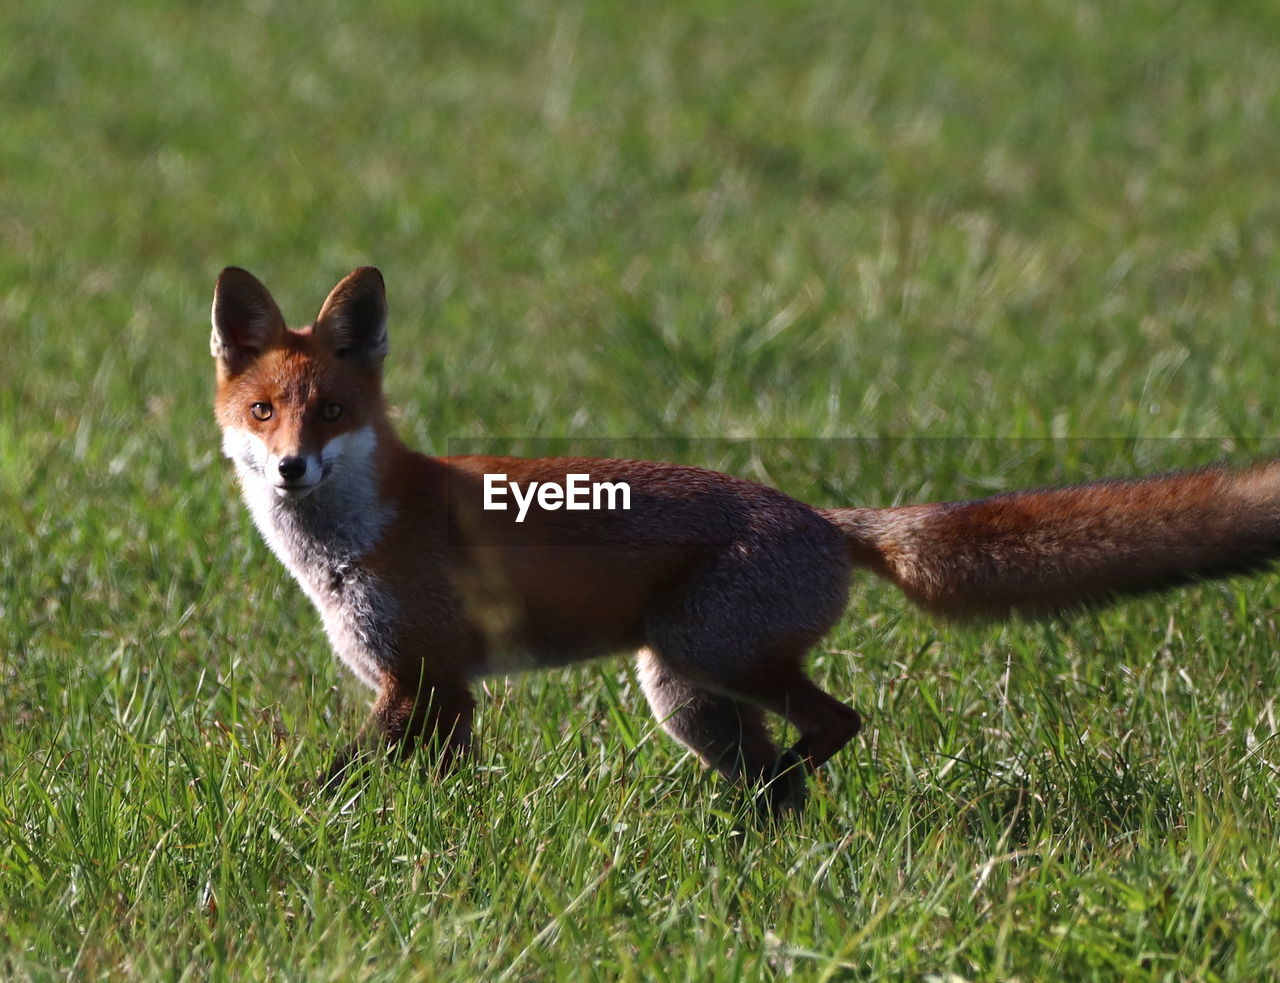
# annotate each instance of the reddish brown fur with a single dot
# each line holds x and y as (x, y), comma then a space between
(724, 585)
(1054, 550)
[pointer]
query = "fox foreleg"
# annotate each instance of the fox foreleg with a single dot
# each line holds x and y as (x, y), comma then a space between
(436, 717)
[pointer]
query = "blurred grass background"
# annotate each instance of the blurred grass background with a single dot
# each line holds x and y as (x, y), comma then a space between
(984, 245)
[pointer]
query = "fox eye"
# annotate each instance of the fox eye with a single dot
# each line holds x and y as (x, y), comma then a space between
(261, 411)
(331, 411)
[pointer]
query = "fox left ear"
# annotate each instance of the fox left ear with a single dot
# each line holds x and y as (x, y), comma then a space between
(354, 317)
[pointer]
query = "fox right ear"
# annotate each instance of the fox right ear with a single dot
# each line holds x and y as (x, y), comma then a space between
(354, 317)
(246, 321)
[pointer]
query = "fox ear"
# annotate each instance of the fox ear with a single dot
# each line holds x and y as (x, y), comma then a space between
(246, 321)
(354, 318)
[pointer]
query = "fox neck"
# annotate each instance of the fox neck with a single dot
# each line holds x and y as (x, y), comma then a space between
(329, 531)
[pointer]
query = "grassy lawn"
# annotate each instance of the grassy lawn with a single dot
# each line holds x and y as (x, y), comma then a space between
(869, 253)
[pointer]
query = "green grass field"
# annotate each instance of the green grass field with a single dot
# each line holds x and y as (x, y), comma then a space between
(866, 253)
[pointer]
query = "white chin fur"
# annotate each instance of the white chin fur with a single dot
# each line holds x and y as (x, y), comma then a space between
(344, 466)
(291, 493)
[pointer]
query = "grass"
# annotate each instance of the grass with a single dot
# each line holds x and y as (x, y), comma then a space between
(868, 253)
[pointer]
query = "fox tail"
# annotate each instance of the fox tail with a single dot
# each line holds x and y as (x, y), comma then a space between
(1042, 552)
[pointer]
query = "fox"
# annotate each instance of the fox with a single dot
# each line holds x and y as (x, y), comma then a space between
(722, 586)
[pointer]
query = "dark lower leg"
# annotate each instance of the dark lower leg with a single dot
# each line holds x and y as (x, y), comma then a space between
(438, 718)
(401, 720)
(825, 724)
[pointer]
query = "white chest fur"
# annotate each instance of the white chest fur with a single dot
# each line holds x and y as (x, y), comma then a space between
(323, 538)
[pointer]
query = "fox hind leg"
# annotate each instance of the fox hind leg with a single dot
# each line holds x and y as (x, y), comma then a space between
(727, 734)
(742, 626)
(732, 643)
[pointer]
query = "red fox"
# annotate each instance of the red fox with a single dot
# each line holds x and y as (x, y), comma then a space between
(425, 581)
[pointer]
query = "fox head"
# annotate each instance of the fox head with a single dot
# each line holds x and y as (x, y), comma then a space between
(299, 406)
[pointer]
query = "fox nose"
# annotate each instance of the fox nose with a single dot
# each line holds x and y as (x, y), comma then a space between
(292, 468)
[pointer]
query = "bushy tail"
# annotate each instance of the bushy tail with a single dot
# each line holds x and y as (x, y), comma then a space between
(1049, 551)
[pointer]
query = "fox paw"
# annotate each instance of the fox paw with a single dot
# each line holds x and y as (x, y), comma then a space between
(785, 790)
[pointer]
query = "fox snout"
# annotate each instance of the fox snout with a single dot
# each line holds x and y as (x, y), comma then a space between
(290, 473)
(292, 468)
(298, 474)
